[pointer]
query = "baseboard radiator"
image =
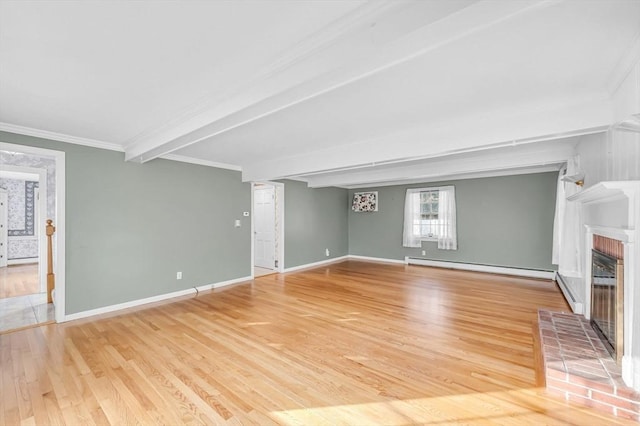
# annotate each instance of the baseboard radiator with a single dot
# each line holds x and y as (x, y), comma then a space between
(520, 272)
(576, 306)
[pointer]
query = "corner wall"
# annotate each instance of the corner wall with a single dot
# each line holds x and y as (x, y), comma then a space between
(502, 221)
(315, 219)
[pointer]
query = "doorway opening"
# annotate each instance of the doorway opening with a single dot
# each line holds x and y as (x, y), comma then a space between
(267, 226)
(32, 182)
(23, 237)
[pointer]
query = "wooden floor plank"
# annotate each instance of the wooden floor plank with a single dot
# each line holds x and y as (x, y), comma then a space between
(350, 343)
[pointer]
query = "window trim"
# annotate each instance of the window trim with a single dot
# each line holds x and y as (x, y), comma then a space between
(426, 189)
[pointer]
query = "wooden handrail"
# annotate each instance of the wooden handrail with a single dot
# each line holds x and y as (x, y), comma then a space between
(51, 278)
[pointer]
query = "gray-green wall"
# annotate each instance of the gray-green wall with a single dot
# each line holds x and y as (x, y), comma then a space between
(130, 227)
(315, 219)
(502, 221)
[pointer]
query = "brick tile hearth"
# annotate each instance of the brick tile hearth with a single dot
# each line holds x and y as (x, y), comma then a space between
(578, 368)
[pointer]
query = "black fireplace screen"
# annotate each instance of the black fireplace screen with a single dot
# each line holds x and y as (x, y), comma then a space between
(607, 301)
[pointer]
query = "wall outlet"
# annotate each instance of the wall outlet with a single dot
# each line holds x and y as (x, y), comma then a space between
(237, 223)
(178, 275)
(424, 252)
(326, 252)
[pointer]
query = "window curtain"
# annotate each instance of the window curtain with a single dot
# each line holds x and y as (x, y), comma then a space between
(447, 238)
(558, 221)
(411, 238)
(569, 226)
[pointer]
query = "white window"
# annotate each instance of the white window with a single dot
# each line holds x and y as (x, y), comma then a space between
(430, 215)
(425, 225)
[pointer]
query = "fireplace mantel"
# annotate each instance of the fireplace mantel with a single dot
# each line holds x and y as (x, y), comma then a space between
(607, 191)
(626, 235)
(622, 198)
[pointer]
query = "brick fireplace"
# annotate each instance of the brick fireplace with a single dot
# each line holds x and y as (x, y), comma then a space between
(577, 365)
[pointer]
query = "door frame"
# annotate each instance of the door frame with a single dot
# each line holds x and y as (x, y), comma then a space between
(4, 194)
(42, 208)
(59, 240)
(279, 215)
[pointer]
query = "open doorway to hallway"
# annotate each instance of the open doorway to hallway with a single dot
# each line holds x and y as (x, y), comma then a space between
(268, 228)
(27, 199)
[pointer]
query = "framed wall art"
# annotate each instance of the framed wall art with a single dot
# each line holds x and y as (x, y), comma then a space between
(365, 202)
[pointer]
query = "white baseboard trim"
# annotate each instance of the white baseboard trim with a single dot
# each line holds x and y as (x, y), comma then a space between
(376, 259)
(576, 306)
(316, 264)
(223, 283)
(158, 298)
(11, 262)
(131, 304)
(529, 273)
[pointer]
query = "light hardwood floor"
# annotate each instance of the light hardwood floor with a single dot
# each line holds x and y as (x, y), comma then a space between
(351, 343)
(19, 280)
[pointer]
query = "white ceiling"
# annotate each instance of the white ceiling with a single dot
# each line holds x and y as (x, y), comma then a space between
(341, 93)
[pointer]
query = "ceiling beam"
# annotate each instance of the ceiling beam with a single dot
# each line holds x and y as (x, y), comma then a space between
(461, 176)
(539, 156)
(298, 82)
(486, 130)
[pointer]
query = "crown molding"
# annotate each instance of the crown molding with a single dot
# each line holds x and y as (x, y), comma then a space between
(191, 160)
(60, 137)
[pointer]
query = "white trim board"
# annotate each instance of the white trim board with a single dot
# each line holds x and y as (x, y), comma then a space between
(529, 273)
(192, 160)
(316, 264)
(576, 306)
(25, 261)
(375, 259)
(61, 137)
(224, 283)
(152, 299)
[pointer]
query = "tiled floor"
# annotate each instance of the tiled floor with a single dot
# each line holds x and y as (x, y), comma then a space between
(25, 311)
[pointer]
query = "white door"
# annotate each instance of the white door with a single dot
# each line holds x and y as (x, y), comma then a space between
(3, 227)
(264, 226)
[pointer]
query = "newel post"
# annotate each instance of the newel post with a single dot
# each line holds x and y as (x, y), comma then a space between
(51, 279)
